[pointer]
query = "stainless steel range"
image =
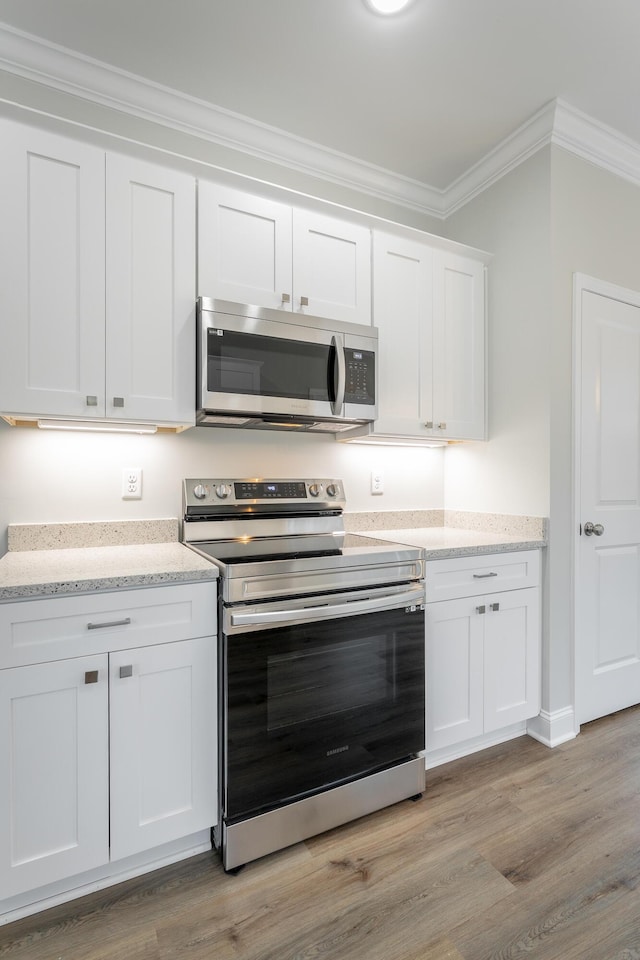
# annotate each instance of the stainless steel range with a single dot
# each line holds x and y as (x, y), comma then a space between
(321, 666)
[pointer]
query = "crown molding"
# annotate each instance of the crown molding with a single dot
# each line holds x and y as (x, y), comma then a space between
(65, 70)
(556, 123)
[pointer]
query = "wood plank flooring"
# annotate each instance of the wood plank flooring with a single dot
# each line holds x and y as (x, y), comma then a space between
(516, 852)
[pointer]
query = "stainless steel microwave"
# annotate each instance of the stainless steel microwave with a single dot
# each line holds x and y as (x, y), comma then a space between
(263, 368)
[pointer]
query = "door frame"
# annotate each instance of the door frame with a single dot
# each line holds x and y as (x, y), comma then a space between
(583, 283)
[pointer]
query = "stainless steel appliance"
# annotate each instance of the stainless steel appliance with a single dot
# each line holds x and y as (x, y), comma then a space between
(261, 368)
(321, 666)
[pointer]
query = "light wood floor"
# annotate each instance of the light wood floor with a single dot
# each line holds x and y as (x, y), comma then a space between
(516, 852)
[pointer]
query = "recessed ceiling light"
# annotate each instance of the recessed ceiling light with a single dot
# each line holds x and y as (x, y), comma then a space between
(387, 6)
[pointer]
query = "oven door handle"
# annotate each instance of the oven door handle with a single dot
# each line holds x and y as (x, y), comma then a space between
(413, 599)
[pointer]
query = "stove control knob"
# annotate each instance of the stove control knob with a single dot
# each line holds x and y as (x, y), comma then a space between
(332, 490)
(315, 489)
(222, 491)
(200, 491)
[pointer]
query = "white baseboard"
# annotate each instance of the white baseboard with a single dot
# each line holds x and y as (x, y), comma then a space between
(434, 758)
(554, 728)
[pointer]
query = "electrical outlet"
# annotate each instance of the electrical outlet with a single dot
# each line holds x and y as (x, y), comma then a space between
(132, 483)
(377, 482)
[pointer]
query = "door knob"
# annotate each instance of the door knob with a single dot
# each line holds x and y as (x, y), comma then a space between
(593, 529)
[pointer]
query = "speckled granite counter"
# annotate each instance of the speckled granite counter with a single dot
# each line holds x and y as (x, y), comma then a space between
(440, 543)
(55, 568)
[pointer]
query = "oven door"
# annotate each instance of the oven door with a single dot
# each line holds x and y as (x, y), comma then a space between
(318, 692)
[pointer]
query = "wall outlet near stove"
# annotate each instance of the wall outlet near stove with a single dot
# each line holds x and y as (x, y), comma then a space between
(132, 483)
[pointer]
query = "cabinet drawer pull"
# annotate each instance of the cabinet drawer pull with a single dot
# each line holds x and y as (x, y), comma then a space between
(481, 609)
(494, 606)
(126, 671)
(111, 623)
(483, 576)
(91, 676)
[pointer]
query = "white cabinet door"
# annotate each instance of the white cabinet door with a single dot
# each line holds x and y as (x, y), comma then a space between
(51, 274)
(244, 247)
(150, 265)
(331, 268)
(511, 658)
(54, 787)
(402, 312)
(163, 744)
(458, 347)
(454, 672)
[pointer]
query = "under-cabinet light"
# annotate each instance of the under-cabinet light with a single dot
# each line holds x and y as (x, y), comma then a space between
(98, 426)
(395, 442)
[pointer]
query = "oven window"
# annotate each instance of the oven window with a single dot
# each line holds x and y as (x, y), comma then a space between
(322, 682)
(249, 364)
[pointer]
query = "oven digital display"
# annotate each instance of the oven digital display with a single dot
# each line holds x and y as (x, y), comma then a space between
(270, 490)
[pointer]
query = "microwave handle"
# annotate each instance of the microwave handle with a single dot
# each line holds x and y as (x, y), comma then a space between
(339, 374)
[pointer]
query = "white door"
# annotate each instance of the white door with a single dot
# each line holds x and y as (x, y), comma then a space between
(244, 247)
(163, 744)
(331, 268)
(54, 769)
(608, 490)
(151, 283)
(51, 274)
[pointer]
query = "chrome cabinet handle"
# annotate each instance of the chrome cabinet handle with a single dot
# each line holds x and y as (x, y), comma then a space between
(91, 676)
(118, 401)
(442, 426)
(591, 529)
(92, 401)
(429, 424)
(304, 301)
(111, 623)
(494, 606)
(126, 671)
(483, 576)
(286, 298)
(481, 609)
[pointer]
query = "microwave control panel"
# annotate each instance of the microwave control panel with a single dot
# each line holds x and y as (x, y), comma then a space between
(360, 376)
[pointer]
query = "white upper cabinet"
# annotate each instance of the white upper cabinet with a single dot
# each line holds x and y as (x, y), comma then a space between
(150, 330)
(268, 254)
(98, 309)
(52, 277)
(458, 347)
(428, 306)
(403, 313)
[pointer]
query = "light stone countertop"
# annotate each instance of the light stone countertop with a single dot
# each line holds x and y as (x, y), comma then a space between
(441, 543)
(29, 574)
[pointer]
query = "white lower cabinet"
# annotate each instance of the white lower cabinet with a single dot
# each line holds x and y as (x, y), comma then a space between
(482, 650)
(111, 754)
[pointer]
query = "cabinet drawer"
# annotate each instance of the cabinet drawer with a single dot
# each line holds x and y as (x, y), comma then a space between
(473, 576)
(55, 628)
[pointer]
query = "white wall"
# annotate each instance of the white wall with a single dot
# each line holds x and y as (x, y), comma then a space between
(55, 477)
(511, 471)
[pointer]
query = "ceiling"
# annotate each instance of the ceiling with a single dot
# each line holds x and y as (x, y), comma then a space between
(426, 94)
